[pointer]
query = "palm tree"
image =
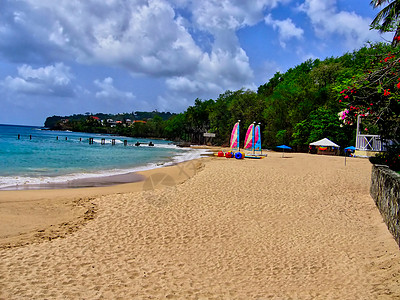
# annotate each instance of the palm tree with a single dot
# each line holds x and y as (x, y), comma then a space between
(390, 16)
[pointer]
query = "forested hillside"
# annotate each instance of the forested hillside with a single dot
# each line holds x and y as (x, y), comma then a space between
(294, 108)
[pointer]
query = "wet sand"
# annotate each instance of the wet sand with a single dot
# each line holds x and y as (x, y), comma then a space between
(299, 227)
(80, 183)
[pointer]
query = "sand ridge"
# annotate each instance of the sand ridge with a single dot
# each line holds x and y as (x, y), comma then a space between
(301, 227)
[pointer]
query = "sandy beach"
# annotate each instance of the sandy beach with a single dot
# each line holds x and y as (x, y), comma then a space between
(299, 227)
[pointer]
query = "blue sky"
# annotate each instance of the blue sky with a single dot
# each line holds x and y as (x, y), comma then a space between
(113, 56)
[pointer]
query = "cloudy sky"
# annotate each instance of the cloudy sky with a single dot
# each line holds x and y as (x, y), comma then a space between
(76, 56)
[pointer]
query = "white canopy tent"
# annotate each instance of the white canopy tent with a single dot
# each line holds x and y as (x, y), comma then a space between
(325, 143)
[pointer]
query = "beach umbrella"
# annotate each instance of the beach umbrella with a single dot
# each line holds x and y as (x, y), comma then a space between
(283, 147)
(351, 148)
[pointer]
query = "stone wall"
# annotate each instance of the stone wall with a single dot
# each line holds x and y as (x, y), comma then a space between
(385, 190)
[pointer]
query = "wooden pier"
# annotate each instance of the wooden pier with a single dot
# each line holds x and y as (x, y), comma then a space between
(91, 140)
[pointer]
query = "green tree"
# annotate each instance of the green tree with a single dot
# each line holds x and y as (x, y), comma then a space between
(246, 106)
(175, 127)
(221, 120)
(155, 127)
(290, 102)
(197, 119)
(268, 88)
(322, 123)
(376, 94)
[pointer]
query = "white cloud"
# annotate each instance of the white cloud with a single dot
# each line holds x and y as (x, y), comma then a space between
(286, 28)
(217, 71)
(226, 65)
(53, 80)
(109, 92)
(145, 37)
(172, 104)
(151, 41)
(230, 14)
(327, 21)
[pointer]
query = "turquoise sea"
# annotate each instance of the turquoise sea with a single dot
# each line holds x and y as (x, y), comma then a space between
(43, 156)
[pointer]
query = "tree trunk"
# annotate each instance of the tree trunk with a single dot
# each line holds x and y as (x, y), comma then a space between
(395, 41)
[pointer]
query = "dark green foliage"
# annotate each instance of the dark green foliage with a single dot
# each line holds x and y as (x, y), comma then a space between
(154, 126)
(323, 123)
(268, 88)
(390, 158)
(373, 96)
(294, 108)
(138, 115)
(373, 92)
(175, 127)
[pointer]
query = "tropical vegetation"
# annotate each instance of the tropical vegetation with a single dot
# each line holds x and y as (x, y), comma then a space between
(311, 101)
(294, 108)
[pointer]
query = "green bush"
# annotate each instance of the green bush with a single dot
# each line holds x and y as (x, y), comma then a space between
(390, 158)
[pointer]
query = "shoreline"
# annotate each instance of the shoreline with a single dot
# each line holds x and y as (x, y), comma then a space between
(299, 227)
(52, 211)
(100, 181)
(108, 178)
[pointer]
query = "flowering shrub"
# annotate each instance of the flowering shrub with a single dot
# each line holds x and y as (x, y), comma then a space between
(342, 117)
(390, 158)
(375, 93)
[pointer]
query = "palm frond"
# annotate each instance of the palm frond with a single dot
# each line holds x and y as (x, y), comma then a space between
(389, 15)
(376, 3)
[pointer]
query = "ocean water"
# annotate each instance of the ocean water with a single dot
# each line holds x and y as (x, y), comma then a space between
(43, 156)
